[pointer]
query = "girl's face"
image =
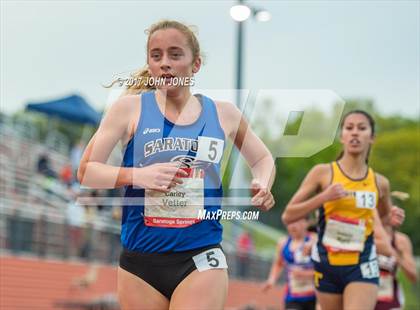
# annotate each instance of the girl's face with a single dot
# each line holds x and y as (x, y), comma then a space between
(297, 229)
(170, 56)
(356, 134)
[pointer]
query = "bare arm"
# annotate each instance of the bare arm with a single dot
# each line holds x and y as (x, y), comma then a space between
(276, 267)
(118, 126)
(302, 203)
(248, 143)
(93, 170)
(252, 149)
(405, 256)
(382, 240)
(384, 202)
(256, 154)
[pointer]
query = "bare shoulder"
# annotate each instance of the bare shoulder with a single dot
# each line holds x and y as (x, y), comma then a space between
(282, 240)
(122, 108)
(123, 114)
(321, 174)
(403, 242)
(127, 103)
(281, 243)
(382, 180)
(227, 109)
(229, 117)
(382, 183)
(321, 169)
(402, 239)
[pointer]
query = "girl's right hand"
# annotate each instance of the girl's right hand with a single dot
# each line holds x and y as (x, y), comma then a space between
(334, 192)
(160, 177)
(267, 285)
(397, 216)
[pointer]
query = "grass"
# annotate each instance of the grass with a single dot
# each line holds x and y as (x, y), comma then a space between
(411, 293)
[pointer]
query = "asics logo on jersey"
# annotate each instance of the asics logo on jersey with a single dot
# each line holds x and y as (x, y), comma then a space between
(151, 130)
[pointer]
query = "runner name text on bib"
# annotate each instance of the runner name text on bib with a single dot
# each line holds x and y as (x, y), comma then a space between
(344, 234)
(180, 206)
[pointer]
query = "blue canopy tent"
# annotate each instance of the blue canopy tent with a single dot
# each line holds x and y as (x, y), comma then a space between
(73, 108)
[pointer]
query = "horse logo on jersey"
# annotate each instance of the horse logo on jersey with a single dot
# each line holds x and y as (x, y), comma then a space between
(190, 162)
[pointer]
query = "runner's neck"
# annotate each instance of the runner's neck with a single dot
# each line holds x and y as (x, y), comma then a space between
(174, 102)
(353, 166)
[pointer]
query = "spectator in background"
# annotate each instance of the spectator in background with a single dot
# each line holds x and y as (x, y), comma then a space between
(114, 234)
(95, 200)
(44, 166)
(66, 175)
(20, 231)
(75, 216)
(87, 234)
(76, 155)
(245, 246)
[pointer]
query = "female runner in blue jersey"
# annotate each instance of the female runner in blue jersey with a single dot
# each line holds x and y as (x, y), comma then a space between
(293, 255)
(173, 143)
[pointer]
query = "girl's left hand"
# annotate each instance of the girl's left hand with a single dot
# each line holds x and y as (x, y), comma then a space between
(261, 197)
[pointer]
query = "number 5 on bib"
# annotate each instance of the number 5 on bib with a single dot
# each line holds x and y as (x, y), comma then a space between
(209, 149)
(210, 259)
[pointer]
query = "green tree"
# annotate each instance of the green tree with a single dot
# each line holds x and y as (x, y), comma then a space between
(396, 155)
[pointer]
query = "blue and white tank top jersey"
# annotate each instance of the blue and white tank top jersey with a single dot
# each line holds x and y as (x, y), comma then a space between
(297, 289)
(155, 222)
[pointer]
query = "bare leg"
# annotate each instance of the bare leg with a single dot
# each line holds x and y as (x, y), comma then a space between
(134, 293)
(360, 295)
(201, 291)
(329, 301)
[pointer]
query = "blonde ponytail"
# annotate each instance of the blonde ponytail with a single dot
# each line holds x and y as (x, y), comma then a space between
(139, 82)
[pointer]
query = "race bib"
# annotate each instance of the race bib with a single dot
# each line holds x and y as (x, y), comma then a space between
(301, 287)
(365, 200)
(387, 263)
(343, 234)
(370, 269)
(300, 258)
(209, 149)
(386, 287)
(179, 207)
(210, 259)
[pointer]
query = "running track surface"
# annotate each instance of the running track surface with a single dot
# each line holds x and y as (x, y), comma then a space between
(33, 283)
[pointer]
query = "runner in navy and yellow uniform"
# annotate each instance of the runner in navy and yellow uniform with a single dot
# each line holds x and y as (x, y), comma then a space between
(173, 147)
(293, 254)
(348, 195)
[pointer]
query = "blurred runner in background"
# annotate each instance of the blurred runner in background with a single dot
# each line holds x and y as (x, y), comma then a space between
(293, 255)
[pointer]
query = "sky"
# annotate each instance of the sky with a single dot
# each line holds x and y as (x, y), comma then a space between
(356, 49)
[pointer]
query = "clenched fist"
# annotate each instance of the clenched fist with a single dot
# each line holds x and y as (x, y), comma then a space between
(334, 192)
(160, 177)
(261, 197)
